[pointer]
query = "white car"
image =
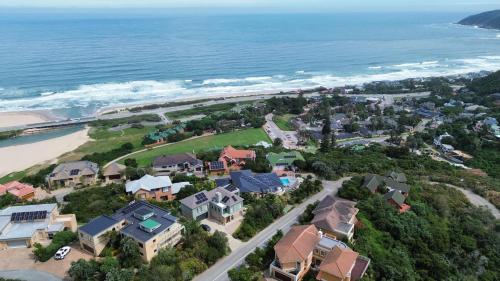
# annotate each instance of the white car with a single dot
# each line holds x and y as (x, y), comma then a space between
(61, 253)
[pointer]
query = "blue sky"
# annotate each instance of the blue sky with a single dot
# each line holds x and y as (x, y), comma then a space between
(285, 5)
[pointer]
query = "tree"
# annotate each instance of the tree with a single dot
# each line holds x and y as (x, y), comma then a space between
(117, 274)
(333, 142)
(327, 126)
(242, 273)
(278, 142)
(83, 270)
(129, 253)
(131, 162)
(219, 241)
(325, 144)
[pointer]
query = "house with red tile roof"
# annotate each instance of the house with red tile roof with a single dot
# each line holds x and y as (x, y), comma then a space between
(305, 247)
(20, 190)
(231, 159)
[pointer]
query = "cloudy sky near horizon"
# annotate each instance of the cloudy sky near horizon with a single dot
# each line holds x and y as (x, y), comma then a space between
(310, 5)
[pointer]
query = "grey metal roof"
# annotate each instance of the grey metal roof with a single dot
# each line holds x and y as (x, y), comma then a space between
(247, 181)
(133, 230)
(74, 169)
(98, 225)
(228, 198)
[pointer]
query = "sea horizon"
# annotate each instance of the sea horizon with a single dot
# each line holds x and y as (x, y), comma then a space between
(76, 65)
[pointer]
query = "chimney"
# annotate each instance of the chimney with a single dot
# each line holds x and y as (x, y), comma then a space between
(320, 233)
(218, 197)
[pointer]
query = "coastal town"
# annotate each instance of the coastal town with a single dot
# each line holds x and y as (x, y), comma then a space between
(326, 184)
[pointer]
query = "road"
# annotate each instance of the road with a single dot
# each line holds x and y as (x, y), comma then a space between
(475, 199)
(362, 141)
(218, 272)
(289, 138)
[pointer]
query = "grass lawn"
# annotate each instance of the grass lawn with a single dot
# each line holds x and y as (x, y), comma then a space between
(105, 140)
(283, 121)
(237, 138)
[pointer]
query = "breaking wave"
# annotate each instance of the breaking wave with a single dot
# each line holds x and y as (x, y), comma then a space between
(137, 92)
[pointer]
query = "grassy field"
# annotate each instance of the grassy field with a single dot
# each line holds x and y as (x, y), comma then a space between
(283, 121)
(238, 138)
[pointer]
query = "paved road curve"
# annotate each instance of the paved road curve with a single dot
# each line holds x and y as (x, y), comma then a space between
(218, 272)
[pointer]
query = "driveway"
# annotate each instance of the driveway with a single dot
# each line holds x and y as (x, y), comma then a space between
(218, 272)
(23, 259)
(228, 229)
(28, 275)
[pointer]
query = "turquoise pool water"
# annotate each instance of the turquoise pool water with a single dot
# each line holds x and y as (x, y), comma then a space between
(285, 181)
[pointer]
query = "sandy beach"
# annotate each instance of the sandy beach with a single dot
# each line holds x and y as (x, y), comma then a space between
(10, 119)
(20, 157)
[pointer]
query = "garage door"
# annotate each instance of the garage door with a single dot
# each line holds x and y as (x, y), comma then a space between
(16, 244)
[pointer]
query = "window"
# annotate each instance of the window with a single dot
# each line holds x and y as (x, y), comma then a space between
(156, 250)
(154, 240)
(140, 245)
(141, 253)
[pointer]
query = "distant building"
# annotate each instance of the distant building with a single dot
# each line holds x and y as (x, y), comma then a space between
(20, 190)
(23, 226)
(158, 188)
(219, 204)
(231, 159)
(392, 181)
(178, 163)
(150, 226)
(114, 173)
(336, 217)
(73, 174)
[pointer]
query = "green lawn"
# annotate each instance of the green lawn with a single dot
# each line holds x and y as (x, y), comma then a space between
(283, 121)
(237, 138)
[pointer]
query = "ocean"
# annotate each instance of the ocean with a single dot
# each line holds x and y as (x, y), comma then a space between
(75, 64)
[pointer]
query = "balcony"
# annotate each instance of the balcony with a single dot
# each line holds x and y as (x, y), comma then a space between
(282, 274)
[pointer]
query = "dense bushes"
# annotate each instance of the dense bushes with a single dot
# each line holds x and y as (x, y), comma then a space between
(127, 120)
(306, 189)
(352, 189)
(38, 179)
(59, 240)
(260, 213)
(256, 262)
(89, 203)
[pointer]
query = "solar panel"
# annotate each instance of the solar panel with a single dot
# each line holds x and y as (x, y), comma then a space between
(201, 197)
(289, 156)
(225, 199)
(234, 198)
(131, 207)
(74, 172)
(217, 165)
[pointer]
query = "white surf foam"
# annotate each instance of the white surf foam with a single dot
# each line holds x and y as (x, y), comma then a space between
(134, 92)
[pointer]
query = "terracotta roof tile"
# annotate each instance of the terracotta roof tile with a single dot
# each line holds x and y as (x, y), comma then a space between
(339, 262)
(297, 244)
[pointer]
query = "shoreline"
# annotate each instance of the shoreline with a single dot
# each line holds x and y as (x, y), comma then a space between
(21, 157)
(23, 118)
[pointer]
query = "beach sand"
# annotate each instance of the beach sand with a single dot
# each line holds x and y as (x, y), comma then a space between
(21, 157)
(10, 119)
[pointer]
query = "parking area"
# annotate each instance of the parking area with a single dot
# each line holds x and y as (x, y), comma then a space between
(289, 138)
(228, 228)
(23, 259)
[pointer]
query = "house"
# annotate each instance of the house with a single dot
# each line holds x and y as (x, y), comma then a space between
(178, 163)
(336, 217)
(259, 183)
(23, 226)
(73, 174)
(397, 199)
(219, 204)
(284, 161)
(392, 181)
(20, 190)
(161, 136)
(305, 247)
(231, 159)
(158, 188)
(343, 264)
(114, 173)
(294, 253)
(150, 226)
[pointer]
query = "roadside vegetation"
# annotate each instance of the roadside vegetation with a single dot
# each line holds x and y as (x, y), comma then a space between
(283, 121)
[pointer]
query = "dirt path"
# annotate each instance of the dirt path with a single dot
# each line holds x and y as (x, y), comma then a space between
(475, 199)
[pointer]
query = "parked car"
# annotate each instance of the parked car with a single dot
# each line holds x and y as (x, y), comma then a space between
(206, 227)
(61, 253)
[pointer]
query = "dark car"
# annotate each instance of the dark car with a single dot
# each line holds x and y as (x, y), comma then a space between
(206, 227)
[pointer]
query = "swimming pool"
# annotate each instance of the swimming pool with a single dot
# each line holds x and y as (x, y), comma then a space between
(285, 181)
